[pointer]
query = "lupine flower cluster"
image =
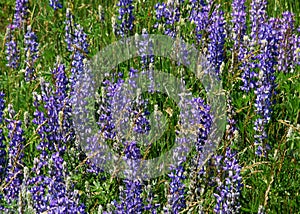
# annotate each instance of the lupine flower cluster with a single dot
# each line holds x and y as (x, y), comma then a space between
(14, 174)
(270, 46)
(2, 145)
(126, 18)
(20, 13)
(239, 26)
(55, 4)
(228, 190)
(133, 121)
(31, 50)
(217, 39)
(199, 16)
(287, 41)
(77, 44)
(12, 52)
(52, 190)
(168, 14)
(131, 201)
(265, 84)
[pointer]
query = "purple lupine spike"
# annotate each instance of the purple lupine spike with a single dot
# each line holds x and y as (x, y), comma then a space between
(77, 43)
(69, 30)
(145, 50)
(217, 39)
(14, 173)
(200, 16)
(79, 51)
(286, 43)
(57, 131)
(229, 189)
(12, 52)
(265, 84)
(31, 50)
(135, 121)
(258, 16)
(126, 18)
(176, 200)
(239, 23)
(55, 4)
(199, 115)
(231, 123)
(296, 49)
(131, 201)
(168, 15)
(2, 105)
(2, 145)
(20, 13)
(51, 192)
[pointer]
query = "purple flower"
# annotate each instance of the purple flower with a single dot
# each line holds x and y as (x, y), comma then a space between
(265, 84)
(55, 4)
(126, 18)
(239, 23)
(217, 35)
(287, 41)
(2, 105)
(168, 15)
(12, 52)
(229, 188)
(53, 192)
(76, 40)
(20, 13)
(69, 29)
(176, 199)
(50, 187)
(131, 201)
(2, 145)
(31, 50)
(14, 174)
(258, 16)
(145, 50)
(200, 16)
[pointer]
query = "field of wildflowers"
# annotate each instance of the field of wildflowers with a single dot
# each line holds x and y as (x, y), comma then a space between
(252, 47)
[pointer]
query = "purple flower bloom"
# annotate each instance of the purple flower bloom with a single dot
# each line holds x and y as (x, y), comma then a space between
(287, 41)
(258, 16)
(69, 29)
(31, 50)
(265, 84)
(217, 35)
(239, 23)
(199, 15)
(176, 200)
(14, 174)
(229, 189)
(126, 18)
(12, 52)
(20, 13)
(55, 4)
(76, 40)
(168, 15)
(52, 191)
(145, 50)
(2, 145)
(131, 201)
(2, 105)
